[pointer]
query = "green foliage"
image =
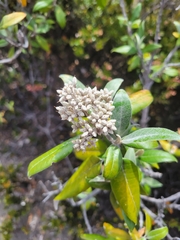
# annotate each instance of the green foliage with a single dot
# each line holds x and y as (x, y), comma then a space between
(116, 164)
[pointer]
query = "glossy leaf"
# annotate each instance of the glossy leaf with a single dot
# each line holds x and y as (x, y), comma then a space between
(114, 85)
(12, 19)
(116, 206)
(157, 156)
(40, 5)
(99, 182)
(115, 232)
(150, 134)
(112, 162)
(157, 234)
(68, 79)
(143, 145)
(60, 16)
(140, 100)
(54, 155)
(43, 43)
(126, 190)
(122, 111)
(96, 151)
(78, 182)
(92, 237)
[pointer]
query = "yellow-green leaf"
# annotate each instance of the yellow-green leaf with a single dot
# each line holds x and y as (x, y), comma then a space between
(12, 19)
(96, 151)
(60, 16)
(148, 223)
(140, 100)
(116, 206)
(127, 191)
(115, 232)
(77, 182)
(43, 43)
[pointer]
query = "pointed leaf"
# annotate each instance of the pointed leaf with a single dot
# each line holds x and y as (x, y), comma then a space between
(157, 156)
(148, 223)
(128, 222)
(60, 16)
(68, 79)
(140, 100)
(127, 191)
(43, 43)
(114, 85)
(151, 47)
(123, 49)
(150, 134)
(96, 151)
(40, 5)
(54, 155)
(157, 234)
(11, 19)
(78, 181)
(115, 232)
(112, 162)
(122, 111)
(136, 12)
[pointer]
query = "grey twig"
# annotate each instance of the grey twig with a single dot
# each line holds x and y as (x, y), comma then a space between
(151, 173)
(9, 60)
(122, 5)
(84, 212)
(161, 200)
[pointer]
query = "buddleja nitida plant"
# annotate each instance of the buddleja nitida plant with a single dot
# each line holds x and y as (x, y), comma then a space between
(112, 149)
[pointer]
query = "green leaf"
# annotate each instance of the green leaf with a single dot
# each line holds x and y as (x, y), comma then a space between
(115, 232)
(136, 12)
(127, 191)
(129, 223)
(68, 79)
(78, 181)
(136, 24)
(54, 155)
(112, 162)
(102, 3)
(143, 145)
(43, 43)
(12, 19)
(116, 206)
(123, 49)
(177, 24)
(122, 111)
(40, 5)
(148, 224)
(60, 16)
(3, 43)
(150, 134)
(157, 156)
(92, 237)
(140, 100)
(96, 151)
(99, 182)
(133, 63)
(171, 72)
(130, 155)
(151, 47)
(114, 85)
(157, 234)
(151, 182)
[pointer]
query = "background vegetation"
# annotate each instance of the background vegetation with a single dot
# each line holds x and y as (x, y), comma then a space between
(87, 39)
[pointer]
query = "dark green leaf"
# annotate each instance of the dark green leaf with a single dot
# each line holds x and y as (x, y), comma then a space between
(68, 79)
(99, 182)
(54, 155)
(114, 85)
(78, 183)
(150, 134)
(151, 47)
(122, 111)
(60, 16)
(129, 223)
(157, 156)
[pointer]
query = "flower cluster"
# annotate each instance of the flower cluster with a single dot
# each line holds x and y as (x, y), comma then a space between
(89, 110)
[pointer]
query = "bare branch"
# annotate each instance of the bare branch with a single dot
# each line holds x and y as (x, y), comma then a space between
(86, 220)
(161, 200)
(9, 60)
(122, 5)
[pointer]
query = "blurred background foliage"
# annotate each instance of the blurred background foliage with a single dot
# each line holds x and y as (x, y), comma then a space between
(82, 38)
